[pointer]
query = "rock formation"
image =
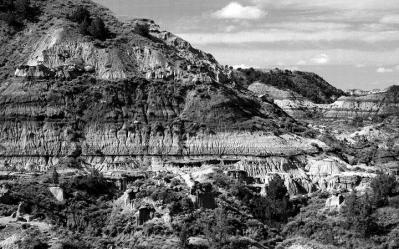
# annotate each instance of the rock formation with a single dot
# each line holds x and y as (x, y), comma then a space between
(76, 101)
(373, 105)
(58, 193)
(150, 101)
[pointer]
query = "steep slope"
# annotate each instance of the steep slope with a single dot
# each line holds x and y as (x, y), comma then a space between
(68, 99)
(145, 100)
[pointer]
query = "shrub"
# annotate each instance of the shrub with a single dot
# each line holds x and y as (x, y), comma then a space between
(383, 186)
(22, 6)
(10, 18)
(94, 184)
(142, 29)
(14, 12)
(89, 26)
(358, 212)
(79, 15)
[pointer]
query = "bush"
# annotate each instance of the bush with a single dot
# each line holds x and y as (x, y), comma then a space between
(10, 18)
(22, 6)
(89, 26)
(97, 29)
(276, 189)
(142, 29)
(80, 14)
(14, 12)
(94, 184)
(358, 212)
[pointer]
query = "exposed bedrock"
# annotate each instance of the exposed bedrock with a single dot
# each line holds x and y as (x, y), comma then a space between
(379, 104)
(88, 121)
(302, 174)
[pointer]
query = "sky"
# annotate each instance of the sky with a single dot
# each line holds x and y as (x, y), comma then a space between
(350, 43)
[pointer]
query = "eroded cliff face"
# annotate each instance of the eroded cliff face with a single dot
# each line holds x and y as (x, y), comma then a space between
(147, 101)
(302, 173)
(373, 105)
(53, 47)
(88, 121)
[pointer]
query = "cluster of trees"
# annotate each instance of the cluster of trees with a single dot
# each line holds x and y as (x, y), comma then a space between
(358, 213)
(359, 209)
(88, 25)
(274, 207)
(14, 12)
(384, 186)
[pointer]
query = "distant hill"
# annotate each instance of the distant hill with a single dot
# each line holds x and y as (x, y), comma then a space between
(309, 85)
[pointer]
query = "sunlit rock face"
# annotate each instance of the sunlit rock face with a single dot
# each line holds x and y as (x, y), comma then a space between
(62, 52)
(71, 100)
(370, 105)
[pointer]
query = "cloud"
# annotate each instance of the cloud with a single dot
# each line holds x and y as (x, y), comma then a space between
(390, 19)
(384, 70)
(301, 63)
(281, 35)
(235, 10)
(331, 4)
(243, 66)
(320, 59)
(268, 57)
(230, 28)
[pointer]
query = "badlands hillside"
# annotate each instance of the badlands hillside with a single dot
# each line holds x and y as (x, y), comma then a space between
(121, 135)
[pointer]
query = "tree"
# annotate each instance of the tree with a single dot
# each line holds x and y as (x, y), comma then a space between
(216, 228)
(383, 186)
(142, 29)
(22, 6)
(97, 29)
(55, 176)
(276, 189)
(83, 26)
(80, 15)
(358, 212)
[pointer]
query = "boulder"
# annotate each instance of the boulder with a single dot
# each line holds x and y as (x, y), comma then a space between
(334, 203)
(58, 193)
(89, 69)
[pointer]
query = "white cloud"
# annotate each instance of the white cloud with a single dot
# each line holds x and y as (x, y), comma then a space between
(235, 10)
(320, 59)
(390, 19)
(397, 67)
(384, 70)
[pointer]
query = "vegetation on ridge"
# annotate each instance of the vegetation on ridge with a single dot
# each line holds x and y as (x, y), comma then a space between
(309, 85)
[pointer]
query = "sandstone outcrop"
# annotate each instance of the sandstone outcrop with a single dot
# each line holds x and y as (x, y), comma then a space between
(58, 193)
